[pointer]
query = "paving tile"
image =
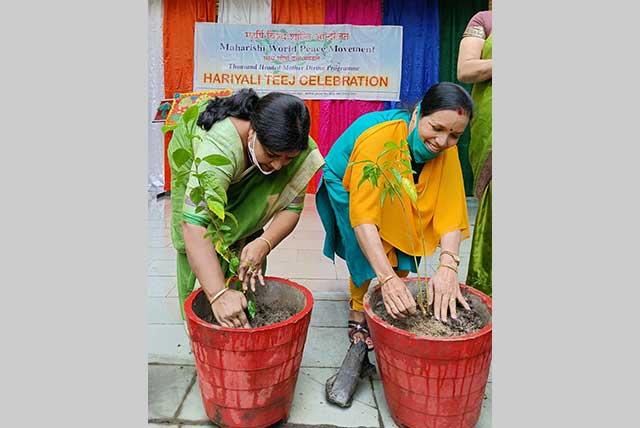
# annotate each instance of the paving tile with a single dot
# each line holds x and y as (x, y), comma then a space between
(302, 270)
(331, 295)
(167, 386)
(164, 310)
(162, 268)
(168, 343)
(310, 222)
(342, 272)
(301, 243)
(282, 255)
(158, 232)
(378, 391)
(309, 405)
(324, 285)
(165, 253)
(485, 413)
(325, 347)
(193, 409)
(160, 286)
(159, 242)
(330, 313)
(316, 235)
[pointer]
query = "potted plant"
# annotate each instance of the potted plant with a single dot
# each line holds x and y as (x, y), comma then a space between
(433, 374)
(247, 377)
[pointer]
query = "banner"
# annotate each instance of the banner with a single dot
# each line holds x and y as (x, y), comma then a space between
(356, 62)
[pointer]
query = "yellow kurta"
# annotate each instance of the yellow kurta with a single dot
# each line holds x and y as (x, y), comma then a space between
(440, 207)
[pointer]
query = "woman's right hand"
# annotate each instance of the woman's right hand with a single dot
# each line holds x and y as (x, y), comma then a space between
(229, 309)
(397, 298)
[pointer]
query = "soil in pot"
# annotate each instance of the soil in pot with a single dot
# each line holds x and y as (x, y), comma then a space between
(275, 302)
(468, 321)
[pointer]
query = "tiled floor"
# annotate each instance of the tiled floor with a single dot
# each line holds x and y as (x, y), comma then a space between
(174, 397)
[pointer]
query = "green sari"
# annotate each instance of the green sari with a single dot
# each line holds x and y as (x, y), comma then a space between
(479, 272)
(253, 198)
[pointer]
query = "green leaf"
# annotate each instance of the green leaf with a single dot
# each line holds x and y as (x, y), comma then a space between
(199, 209)
(234, 264)
(198, 161)
(406, 162)
(383, 195)
(362, 180)
(225, 228)
(232, 217)
(196, 195)
(167, 128)
(217, 160)
(396, 175)
(211, 186)
(410, 189)
(384, 152)
(251, 308)
(359, 162)
(216, 207)
(190, 114)
(391, 145)
(181, 156)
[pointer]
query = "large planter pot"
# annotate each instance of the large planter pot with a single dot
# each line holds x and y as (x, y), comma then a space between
(247, 377)
(432, 382)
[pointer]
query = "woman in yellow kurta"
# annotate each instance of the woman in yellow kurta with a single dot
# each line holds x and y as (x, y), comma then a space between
(379, 241)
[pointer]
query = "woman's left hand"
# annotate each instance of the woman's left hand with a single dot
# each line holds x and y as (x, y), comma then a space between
(444, 290)
(251, 259)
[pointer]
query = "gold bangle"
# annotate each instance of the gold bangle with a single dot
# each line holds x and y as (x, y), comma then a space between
(267, 241)
(453, 255)
(450, 267)
(387, 279)
(217, 296)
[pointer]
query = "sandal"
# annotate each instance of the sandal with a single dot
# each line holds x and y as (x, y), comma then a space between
(359, 327)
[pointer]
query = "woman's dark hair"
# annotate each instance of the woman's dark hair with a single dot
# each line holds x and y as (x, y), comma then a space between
(281, 121)
(446, 96)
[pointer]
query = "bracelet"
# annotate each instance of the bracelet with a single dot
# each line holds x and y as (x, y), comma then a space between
(450, 267)
(387, 279)
(217, 295)
(267, 241)
(453, 255)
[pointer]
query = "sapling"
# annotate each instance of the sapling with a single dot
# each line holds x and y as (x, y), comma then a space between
(210, 198)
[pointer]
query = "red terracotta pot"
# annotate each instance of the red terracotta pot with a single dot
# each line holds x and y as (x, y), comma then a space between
(247, 377)
(432, 382)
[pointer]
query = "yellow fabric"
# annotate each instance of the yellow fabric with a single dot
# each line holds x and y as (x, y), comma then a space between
(440, 188)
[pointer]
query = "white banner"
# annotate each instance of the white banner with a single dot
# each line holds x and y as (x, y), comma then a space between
(357, 62)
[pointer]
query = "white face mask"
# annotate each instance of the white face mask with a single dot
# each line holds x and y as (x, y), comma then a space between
(252, 156)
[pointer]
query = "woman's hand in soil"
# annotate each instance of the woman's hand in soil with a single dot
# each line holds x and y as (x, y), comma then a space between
(229, 310)
(444, 291)
(397, 298)
(251, 258)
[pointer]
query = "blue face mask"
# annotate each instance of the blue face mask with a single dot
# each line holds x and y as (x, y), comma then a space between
(419, 152)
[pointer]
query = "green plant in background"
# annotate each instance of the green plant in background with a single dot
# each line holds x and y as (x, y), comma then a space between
(396, 164)
(209, 197)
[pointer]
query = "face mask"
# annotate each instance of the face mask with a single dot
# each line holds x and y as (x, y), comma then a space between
(252, 156)
(417, 148)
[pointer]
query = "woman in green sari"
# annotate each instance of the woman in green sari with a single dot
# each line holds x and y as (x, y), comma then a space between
(475, 65)
(272, 159)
